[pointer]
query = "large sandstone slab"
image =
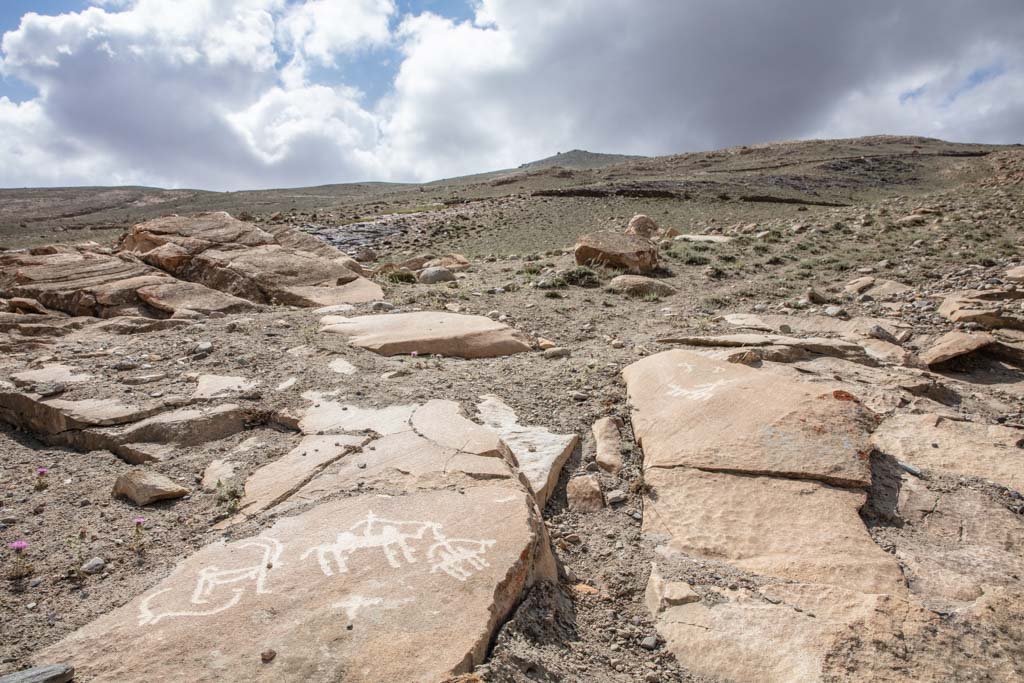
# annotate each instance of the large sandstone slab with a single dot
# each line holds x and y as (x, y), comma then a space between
(991, 452)
(796, 530)
(987, 308)
(368, 588)
(953, 345)
(695, 411)
(174, 296)
(427, 332)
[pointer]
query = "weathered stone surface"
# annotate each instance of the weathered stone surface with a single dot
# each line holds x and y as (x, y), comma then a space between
(427, 332)
(53, 673)
(617, 250)
(608, 443)
(713, 239)
(54, 372)
(782, 632)
(539, 454)
(218, 471)
(240, 259)
(342, 366)
(444, 423)
(986, 308)
(876, 287)
(931, 441)
(330, 417)
(453, 262)
(816, 345)
(953, 345)
(217, 386)
(175, 295)
(143, 487)
(370, 588)
(638, 285)
(1015, 274)
(48, 417)
(584, 494)
(853, 330)
(696, 411)
(276, 481)
(796, 530)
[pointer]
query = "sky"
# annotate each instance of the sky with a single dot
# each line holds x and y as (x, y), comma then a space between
(246, 94)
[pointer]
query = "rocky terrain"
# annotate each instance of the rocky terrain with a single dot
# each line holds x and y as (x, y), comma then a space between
(754, 415)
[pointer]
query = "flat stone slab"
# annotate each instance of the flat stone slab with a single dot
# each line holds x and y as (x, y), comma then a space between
(953, 345)
(990, 452)
(695, 411)
(367, 588)
(217, 386)
(51, 373)
(797, 530)
(539, 453)
(427, 332)
(176, 295)
(819, 345)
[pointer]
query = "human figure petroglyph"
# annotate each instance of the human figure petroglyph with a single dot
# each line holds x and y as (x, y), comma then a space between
(211, 578)
(458, 558)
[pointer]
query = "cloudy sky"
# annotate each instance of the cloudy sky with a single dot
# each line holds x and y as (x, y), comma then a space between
(235, 94)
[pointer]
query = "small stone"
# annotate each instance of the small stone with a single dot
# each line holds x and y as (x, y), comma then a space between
(545, 344)
(836, 312)
(649, 643)
(267, 656)
(94, 566)
(556, 352)
(144, 486)
(615, 497)
(584, 494)
(203, 348)
(433, 276)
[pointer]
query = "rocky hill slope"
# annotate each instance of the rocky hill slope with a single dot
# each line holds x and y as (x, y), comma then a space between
(751, 414)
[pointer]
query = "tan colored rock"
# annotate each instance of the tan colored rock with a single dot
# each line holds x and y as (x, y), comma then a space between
(638, 285)
(609, 248)
(712, 239)
(539, 454)
(24, 305)
(661, 594)
(990, 452)
(50, 373)
(1015, 274)
(802, 531)
(143, 487)
(609, 444)
(444, 423)
(453, 262)
(817, 345)
(953, 345)
(276, 481)
(342, 366)
(695, 411)
(217, 472)
(330, 417)
(877, 288)
(427, 332)
(174, 296)
(986, 308)
(367, 588)
(644, 226)
(584, 494)
(219, 386)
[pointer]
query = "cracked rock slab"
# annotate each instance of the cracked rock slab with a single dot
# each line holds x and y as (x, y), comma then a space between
(366, 588)
(695, 411)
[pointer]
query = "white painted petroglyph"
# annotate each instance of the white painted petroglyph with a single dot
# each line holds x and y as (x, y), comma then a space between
(211, 578)
(458, 558)
(701, 392)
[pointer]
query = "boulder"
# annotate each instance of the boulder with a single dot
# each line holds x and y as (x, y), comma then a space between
(143, 487)
(953, 345)
(427, 333)
(609, 248)
(433, 276)
(638, 285)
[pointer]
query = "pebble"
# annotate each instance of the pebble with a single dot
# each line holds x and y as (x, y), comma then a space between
(615, 497)
(94, 566)
(556, 352)
(649, 643)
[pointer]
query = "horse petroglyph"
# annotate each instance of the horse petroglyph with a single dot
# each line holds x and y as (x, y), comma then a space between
(457, 557)
(211, 578)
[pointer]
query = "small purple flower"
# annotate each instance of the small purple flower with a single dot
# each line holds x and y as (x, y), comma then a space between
(139, 520)
(17, 546)
(42, 471)
(414, 353)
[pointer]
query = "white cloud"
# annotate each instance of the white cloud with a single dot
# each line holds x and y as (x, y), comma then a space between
(225, 93)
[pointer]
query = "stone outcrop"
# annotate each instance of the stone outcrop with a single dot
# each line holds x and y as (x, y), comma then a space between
(616, 250)
(638, 285)
(987, 308)
(426, 333)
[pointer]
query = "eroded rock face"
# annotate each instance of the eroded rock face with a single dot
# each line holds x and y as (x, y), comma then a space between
(427, 332)
(238, 258)
(638, 285)
(986, 308)
(617, 250)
